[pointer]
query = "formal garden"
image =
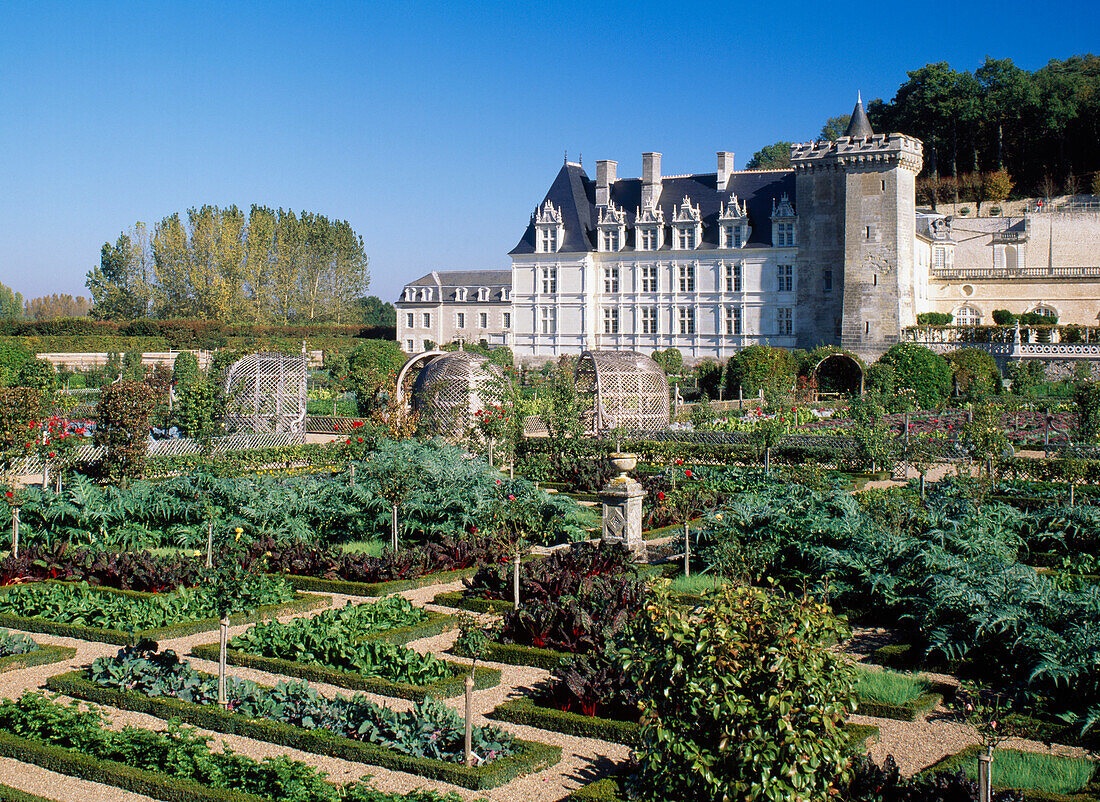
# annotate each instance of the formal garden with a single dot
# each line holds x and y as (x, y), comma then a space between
(849, 581)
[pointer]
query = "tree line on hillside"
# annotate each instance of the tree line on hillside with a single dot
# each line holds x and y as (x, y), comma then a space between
(263, 266)
(1042, 128)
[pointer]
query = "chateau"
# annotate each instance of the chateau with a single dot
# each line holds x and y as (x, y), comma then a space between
(829, 251)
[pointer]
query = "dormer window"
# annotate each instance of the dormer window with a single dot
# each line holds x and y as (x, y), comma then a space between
(460, 294)
(549, 229)
(687, 227)
(504, 293)
(649, 228)
(783, 220)
(612, 228)
(410, 294)
(733, 224)
(483, 294)
(426, 294)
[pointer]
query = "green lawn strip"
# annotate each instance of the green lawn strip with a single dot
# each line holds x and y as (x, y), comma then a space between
(43, 655)
(526, 711)
(78, 764)
(301, 603)
(1041, 778)
(891, 694)
(453, 686)
(530, 756)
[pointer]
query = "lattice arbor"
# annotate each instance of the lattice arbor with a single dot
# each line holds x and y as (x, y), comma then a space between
(266, 393)
(452, 387)
(621, 389)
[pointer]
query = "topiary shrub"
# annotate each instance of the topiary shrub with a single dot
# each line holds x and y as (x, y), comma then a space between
(372, 366)
(740, 697)
(185, 369)
(708, 375)
(12, 357)
(761, 367)
(670, 360)
(1027, 376)
(975, 372)
(1002, 317)
(1087, 397)
(934, 319)
(122, 424)
(919, 369)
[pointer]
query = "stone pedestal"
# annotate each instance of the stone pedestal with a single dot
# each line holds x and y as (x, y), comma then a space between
(622, 507)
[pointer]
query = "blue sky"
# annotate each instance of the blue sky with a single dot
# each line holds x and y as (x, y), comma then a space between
(434, 129)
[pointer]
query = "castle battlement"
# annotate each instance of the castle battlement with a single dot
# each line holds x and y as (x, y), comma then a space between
(848, 152)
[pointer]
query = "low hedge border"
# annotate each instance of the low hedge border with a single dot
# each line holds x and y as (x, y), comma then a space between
(346, 588)
(43, 655)
(525, 711)
(302, 603)
(459, 600)
(915, 710)
(671, 529)
(77, 764)
(9, 794)
(969, 754)
(516, 655)
(442, 689)
(530, 757)
(434, 624)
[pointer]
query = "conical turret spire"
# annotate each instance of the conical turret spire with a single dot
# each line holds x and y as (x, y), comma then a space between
(859, 126)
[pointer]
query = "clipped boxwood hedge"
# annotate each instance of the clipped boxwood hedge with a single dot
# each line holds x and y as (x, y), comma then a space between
(530, 756)
(301, 603)
(525, 711)
(444, 688)
(43, 655)
(319, 585)
(77, 764)
(9, 794)
(969, 755)
(516, 655)
(458, 599)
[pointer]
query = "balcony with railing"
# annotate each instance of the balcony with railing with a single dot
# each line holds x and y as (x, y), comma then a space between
(1017, 273)
(1013, 342)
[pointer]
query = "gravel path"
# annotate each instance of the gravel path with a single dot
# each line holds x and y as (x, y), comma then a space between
(913, 744)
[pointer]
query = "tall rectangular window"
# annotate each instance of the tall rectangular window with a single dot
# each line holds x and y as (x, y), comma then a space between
(611, 279)
(649, 278)
(483, 320)
(410, 320)
(648, 239)
(549, 318)
(687, 278)
(732, 236)
(611, 239)
(785, 320)
(687, 320)
(938, 257)
(733, 320)
(733, 278)
(685, 238)
(409, 346)
(427, 320)
(506, 320)
(548, 240)
(610, 320)
(827, 281)
(649, 320)
(549, 280)
(460, 320)
(785, 233)
(785, 275)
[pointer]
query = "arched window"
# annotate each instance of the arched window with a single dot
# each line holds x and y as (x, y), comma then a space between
(1045, 311)
(968, 316)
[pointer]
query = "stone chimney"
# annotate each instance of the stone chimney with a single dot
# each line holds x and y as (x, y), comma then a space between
(607, 173)
(651, 179)
(725, 167)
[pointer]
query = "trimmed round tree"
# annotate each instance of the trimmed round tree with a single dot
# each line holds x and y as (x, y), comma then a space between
(975, 372)
(760, 367)
(741, 697)
(919, 369)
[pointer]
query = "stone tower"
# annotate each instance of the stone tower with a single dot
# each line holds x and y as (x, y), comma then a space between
(856, 208)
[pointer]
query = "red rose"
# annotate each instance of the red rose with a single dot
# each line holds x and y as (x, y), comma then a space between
(687, 474)
(9, 494)
(498, 481)
(336, 428)
(679, 462)
(511, 497)
(360, 439)
(356, 424)
(660, 496)
(51, 455)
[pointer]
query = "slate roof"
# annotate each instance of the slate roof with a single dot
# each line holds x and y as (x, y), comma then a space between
(574, 194)
(449, 281)
(859, 126)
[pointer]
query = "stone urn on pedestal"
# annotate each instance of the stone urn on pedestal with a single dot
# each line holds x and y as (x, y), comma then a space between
(622, 506)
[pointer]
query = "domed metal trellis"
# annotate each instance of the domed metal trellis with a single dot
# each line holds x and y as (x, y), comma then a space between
(452, 387)
(266, 393)
(621, 389)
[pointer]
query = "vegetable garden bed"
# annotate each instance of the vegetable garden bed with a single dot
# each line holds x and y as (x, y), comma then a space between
(43, 655)
(453, 686)
(301, 603)
(530, 756)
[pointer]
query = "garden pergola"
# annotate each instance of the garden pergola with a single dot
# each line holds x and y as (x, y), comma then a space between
(452, 386)
(621, 389)
(266, 394)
